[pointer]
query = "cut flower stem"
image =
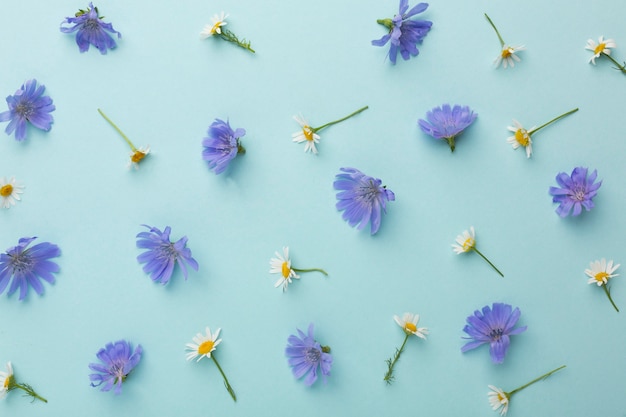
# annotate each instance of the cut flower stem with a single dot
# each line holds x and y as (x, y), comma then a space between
(229, 36)
(494, 28)
(530, 132)
(132, 147)
(317, 129)
(608, 294)
(488, 261)
(620, 67)
(542, 377)
(311, 270)
(392, 362)
(226, 383)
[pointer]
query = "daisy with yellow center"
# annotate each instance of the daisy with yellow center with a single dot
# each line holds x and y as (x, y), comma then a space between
(202, 347)
(281, 264)
(522, 137)
(466, 242)
(136, 155)
(408, 323)
(308, 134)
(8, 383)
(599, 273)
(603, 48)
(10, 192)
(217, 21)
(507, 56)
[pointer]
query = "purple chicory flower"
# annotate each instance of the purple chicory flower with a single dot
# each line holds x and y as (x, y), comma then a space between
(308, 357)
(28, 104)
(117, 360)
(222, 145)
(27, 266)
(361, 198)
(576, 191)
(447, 122)
(91, 30)
(404, 33)
(494, 326)
(161, 254)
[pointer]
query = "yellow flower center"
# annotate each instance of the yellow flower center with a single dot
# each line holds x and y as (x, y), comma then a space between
(410, 327)
(599, 48)
(601, 276)
(6, 190)
(502, 398)
(286, 270)
(308, 132)
(216, 27)
(506, 52)
(206, 347)
(468, 244)
(522, 137)
(137, 156)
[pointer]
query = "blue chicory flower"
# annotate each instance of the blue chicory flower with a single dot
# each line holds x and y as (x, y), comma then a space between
(117, 360)
(361, 198)
(447, 122)
(91, 30)
(162, 255)
(404, 33)
(27, 266)
(576, 191)
(494, 326)
(308, 357)
(222, 145)
(28, 104)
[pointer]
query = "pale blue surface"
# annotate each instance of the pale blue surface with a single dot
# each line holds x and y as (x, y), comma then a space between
(163, 87)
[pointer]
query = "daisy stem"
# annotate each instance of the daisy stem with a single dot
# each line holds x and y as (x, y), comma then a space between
(488, 261)
(228, 387)
(608, 294)
(317, 129)
(553, 120)
(30, 392)
(544, 376)
(617, 64)
(389, 375)
(229, 36)
(311, 270)
(494, 28)
(132, 147)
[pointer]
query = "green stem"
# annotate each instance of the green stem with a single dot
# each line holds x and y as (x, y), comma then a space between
(388, 23)
(553, 120)
(118, 130)
(544, 376)
(608, 294)
(488, 261)
(389, 375)
(228, 387)
(229, 36)
(311, 270)
(30, 391)
(317, 129)
(494, 28)
(617, 64)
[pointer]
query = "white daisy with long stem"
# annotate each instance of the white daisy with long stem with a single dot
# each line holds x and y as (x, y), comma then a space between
(10, 191)
(408, 323)
(308, 134)
(522, 137)
(281, 264)
(137, 154)
(603, 48)
(202, 347)
(599, 273)
(466, 242)
(216, 28)
(8, 384)
(507, 56)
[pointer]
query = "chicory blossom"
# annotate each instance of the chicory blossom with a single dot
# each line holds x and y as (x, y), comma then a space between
(91, 30)
(575, 191)
(28, 104)
(117, 360)
(361, 198)
(222, 145)
(447, 122)
(404, 33)
(308, 357)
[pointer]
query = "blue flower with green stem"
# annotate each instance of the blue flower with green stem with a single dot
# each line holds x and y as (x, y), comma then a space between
(117, 360)
(91, 30)
(28, 106)
(308, 357)
(446, 122)
(222, 145)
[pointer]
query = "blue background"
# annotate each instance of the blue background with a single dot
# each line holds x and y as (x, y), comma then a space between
(164, 86)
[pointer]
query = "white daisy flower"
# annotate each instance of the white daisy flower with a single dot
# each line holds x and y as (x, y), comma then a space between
(137, 156)
(602, 47)
(498, 399)
(203, 345)
(10, 192)
(465, 241)
(282, 265)
(521, 137)
(408, 322)
(307, 134)
(217, 21)
(601, 271)
(507, 56)
(6, 379)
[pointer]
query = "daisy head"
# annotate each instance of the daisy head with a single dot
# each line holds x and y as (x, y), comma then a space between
(137, 156)
(217, 21)
(465, 242)
(6, 380)
(601, 271)
(602, 47)
(408, 322)
(281, 264)
(508, 56)
(306, 134)
(498, 399)
(9, 192)
(203, 345)
(521, 137)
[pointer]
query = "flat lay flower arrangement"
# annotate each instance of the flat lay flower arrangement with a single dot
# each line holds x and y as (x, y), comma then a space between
(313, 222)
